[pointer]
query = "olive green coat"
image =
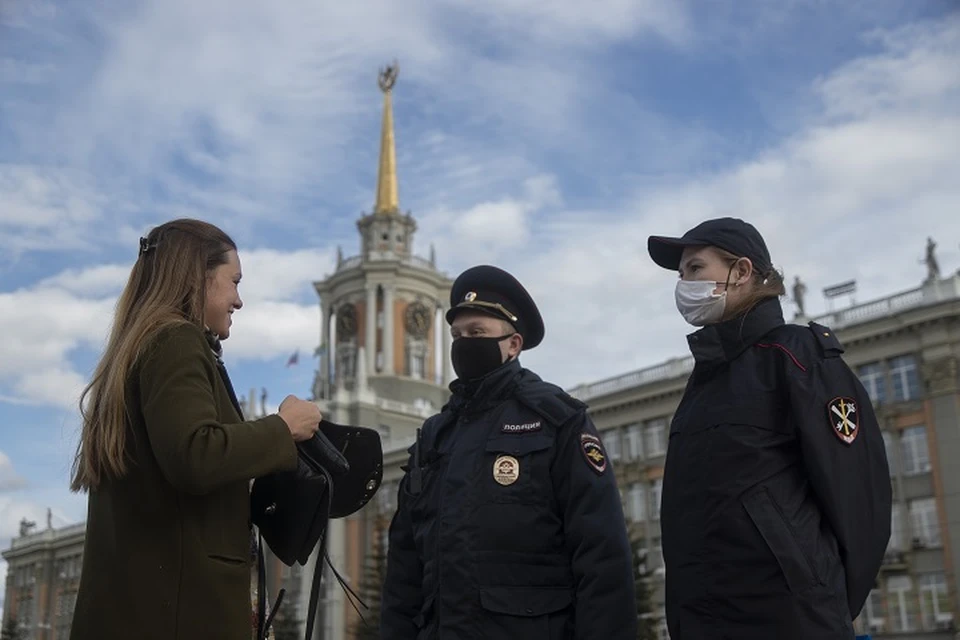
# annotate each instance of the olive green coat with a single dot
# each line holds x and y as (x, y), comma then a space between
(168, 546)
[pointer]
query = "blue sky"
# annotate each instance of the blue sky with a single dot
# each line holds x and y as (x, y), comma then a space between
(548, 138)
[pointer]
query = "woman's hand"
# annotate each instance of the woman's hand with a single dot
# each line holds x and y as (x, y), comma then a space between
(302, 417)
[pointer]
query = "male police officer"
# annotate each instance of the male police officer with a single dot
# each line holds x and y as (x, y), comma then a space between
(509, 522)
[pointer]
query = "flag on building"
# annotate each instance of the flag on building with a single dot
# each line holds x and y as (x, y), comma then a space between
(294, 359)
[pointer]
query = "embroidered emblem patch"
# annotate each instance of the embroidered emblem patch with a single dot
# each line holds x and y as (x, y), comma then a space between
(842, 413)
(506, 470)
(593, 452)
(526, 427)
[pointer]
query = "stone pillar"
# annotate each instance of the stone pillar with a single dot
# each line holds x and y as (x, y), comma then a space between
(389, 331)
(325, 350)
(943, 437)
(448, 374)
(371, 340)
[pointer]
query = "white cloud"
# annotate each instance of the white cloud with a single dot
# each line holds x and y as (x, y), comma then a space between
(46, 208)
(569, 23)
(42, 326)
(47, 322)
(916, 72)
(248, 102)
(270, 274)
(8, 476)
(90, 281)
(490, 228)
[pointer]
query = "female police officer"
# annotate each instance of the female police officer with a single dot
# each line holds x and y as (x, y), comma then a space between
(776, 493)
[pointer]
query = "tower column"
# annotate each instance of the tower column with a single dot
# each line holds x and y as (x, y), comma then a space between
(389, 330)
(447, 342)
(371, 339)
(325, 350)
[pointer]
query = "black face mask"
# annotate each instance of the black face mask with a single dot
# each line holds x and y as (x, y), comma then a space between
(474, 358)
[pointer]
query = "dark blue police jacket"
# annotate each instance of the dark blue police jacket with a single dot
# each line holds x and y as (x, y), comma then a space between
(776, 497)
(509, 522)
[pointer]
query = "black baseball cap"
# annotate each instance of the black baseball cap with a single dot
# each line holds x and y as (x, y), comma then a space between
(730, 234)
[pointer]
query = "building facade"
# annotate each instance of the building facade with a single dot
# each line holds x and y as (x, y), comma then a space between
(43, 574)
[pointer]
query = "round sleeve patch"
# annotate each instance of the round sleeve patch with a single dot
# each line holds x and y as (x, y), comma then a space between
(593, 453)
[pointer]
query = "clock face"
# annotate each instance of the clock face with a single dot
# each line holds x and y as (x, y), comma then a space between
(418, 320)
(347, 321)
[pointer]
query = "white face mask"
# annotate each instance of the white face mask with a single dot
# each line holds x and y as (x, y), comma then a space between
(697, 302)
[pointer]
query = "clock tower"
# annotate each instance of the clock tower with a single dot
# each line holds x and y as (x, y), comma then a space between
(382, 336)
(384, 352)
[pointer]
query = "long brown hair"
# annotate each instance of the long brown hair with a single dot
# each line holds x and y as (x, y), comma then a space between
(764, 285)
(167, 286)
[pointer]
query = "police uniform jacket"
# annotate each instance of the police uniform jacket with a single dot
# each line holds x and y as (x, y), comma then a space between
(776, 493)
(167, 554)
(541, 553)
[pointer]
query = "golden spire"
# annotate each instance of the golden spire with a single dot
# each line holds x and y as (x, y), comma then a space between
(387, 199)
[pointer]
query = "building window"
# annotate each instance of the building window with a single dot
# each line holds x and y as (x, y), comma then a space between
(924, 522)
(871, 620)
(914, 453)
(417, 366)
(416, 359)
(655, 492)
(655, 437)
(633, 442)
(387, 498)
(346, 366)
(897, 528)
(611, 443)
(935, 609)
(637, 502)
(872, 378)
(904, 378)
(901, 604)
(872, 614)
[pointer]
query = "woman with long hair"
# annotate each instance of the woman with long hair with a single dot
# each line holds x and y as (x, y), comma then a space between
(775, 511)
(166, 456)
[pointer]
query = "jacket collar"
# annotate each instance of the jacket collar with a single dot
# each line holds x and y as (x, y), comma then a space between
(724, 341)
(479, 394)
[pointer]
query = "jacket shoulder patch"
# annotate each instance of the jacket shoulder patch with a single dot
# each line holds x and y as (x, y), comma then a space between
(844, 419)
(593, 453)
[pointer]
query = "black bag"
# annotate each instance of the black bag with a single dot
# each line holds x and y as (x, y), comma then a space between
(338, 471)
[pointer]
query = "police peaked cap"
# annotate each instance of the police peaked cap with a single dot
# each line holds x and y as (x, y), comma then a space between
(497, 293)
(730, 234)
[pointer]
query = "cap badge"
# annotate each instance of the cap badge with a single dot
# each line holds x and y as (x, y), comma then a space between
(470, 297)
(506, 470)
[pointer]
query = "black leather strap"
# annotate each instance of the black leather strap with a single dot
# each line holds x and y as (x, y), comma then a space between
(318, 566)
(261, 590)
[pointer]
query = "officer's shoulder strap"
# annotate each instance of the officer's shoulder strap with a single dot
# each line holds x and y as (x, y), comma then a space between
(827, 341)
(550, 401)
